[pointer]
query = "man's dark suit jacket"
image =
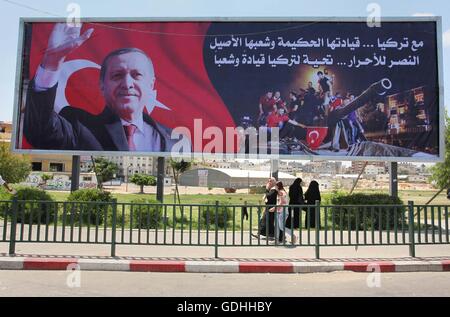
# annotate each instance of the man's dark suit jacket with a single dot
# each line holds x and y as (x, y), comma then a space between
(76, 129)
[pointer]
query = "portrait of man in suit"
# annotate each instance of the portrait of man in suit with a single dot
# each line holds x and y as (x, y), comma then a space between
(126, 81)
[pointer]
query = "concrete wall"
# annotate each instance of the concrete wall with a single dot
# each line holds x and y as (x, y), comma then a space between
(218, 179)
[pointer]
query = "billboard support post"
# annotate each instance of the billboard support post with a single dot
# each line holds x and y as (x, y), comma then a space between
(393, 179)
(75, 180)
(274, 168)
(160, 180)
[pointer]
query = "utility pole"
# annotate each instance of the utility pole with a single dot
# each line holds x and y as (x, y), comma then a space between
(274, 168)
(160, 180)
(75, 180)
(393, 179)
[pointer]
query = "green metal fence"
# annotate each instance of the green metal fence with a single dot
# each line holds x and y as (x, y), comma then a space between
(219, 225)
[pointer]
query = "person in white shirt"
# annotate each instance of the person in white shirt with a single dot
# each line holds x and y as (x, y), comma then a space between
(282, 213)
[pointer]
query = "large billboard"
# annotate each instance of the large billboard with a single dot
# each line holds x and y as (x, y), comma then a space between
(337, 89)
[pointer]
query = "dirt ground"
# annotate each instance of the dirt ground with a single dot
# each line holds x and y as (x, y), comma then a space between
(184, 190)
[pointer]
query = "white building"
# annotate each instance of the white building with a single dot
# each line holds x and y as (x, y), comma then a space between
(374, 170)
(129, 165)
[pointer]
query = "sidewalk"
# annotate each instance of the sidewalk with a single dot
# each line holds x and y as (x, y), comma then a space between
(34, 256)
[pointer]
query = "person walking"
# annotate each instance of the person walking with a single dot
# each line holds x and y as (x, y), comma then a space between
(295, 199)
(266, 223)
(282, 214)
(312, 194)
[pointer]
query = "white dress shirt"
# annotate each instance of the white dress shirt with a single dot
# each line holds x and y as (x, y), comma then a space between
(144, 133)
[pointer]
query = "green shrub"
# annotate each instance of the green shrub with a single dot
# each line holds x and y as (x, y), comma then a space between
(146, 214)
(5, 197)
(355, 216)
(328, 198)
(179, 220)
(90, 194)
(89, 205)
(34, 206)
(208, 213)
(4, 194)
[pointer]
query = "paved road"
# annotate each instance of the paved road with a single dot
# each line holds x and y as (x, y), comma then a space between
(54, 283)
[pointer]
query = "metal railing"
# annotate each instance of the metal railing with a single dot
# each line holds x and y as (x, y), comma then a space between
(220, 225)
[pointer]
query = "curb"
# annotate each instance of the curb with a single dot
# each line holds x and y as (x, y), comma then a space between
(31, 263)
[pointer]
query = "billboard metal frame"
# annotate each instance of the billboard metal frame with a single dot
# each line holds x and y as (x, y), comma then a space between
(436, 19)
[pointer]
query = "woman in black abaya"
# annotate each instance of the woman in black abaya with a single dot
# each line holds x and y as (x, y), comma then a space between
(311, 196)
(295, 198)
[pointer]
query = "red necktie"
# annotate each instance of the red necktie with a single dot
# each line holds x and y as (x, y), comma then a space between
(129, 132)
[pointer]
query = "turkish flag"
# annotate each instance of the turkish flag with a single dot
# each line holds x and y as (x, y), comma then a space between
(176, 50)
(315, 136)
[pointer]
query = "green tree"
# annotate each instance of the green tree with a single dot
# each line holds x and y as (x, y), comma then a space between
(143, 180)
(13, 168)
(441, 171)
(104, 170)
(45, 178)
(178, 168)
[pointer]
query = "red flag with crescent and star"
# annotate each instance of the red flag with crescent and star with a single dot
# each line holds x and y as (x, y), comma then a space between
(315, 136)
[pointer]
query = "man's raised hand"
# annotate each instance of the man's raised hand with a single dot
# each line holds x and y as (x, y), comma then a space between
(63, 40)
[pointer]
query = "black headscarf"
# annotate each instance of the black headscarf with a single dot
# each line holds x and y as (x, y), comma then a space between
(313, 193)
(296, 192)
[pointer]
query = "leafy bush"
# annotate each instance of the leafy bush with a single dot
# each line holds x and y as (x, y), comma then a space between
(353, 217)
(89, 205)
(146, 214)
(328, 198)
(34, 206)
(5, 197)
(13, 168)
(4, 194)
(180, 221)
(208, 213)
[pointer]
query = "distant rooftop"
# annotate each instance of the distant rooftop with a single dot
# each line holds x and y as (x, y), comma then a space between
(237, 173)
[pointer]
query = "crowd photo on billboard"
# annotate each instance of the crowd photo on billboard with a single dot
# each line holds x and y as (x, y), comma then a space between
(334, 89)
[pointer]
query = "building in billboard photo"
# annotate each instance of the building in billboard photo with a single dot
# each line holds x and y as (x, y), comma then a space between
(406, 115)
